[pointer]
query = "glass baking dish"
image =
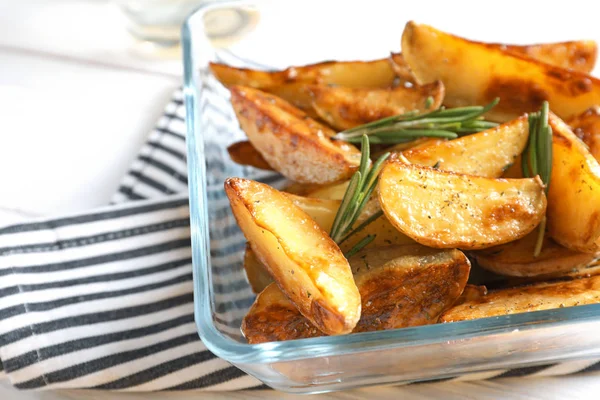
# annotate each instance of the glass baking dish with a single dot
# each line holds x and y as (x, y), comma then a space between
(275, 35)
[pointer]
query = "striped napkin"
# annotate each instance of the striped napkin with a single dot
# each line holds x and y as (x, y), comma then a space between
(104, 299)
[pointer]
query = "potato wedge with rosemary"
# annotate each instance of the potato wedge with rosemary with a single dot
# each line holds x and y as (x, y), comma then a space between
(448, 210)
(307, 265)
(244, 153)
(517, 258)
(344, 108)
(256, 272)
(574, 196)
(537, 297)
(586, 126)
(400, 286)
(521, 83)
(291, 142)
(488, 153)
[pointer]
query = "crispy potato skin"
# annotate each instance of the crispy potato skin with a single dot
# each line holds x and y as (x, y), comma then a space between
(412, 289)
(471, 293)
(306, 264)
(344, 108)
(516, 258)
(256, 272)
(488, 153)
(587, 128)
(574, 195)
(244, 153)
(290, 141)
(521, 83)
(579, 55)
(400, 286)
(541, 296)
(400, 67)
(447, 210)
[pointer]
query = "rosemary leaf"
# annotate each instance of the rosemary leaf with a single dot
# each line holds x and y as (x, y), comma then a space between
(360, 245)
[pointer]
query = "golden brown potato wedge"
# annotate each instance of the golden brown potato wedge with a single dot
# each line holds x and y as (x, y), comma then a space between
(344, 108)
(290, 84)
(300, 189)
(256, 272)
(587, 128)
(244, 153)
(579, 55)
(373, 74)
(574, 195)
(541, 296)
(517, 259)
(522, 84)
(448, 210)
(306, 264)
(291, 142)
(400, 286)
(488, 153)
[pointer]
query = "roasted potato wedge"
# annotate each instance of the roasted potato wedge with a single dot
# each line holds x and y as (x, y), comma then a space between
(291, 142)
(517, 259)
(290, 84)
(587, 128)
(344, 108)
(447, 210)
(522, 84)
(488, 153)
(579, 55)
(574, 195)
(541, 296)
(244, 153)
(400, 286)
(373, 74)
(300, 189)
(256, 272)
(307, 265)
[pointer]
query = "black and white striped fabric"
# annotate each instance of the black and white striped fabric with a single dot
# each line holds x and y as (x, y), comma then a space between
(104, 299)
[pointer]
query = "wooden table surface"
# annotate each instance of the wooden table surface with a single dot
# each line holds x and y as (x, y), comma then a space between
(95, 96)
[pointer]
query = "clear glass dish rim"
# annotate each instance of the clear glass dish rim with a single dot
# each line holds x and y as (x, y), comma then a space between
(286, 351)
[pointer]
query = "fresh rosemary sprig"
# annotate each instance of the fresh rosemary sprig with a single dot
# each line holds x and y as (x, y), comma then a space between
(442, 122)
(537, 159)
(359, 190)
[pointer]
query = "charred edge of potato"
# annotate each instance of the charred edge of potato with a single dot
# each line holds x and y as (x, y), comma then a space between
(444, 209)
(521, 83)
(488, 153)
(400, 286)
(536, 297)
(306, 264)
(257, 274)
(291, 142)
(579, 55)
(345, 108)
(517, 258)
(574, 194)
(586, 126)
(244, 153)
